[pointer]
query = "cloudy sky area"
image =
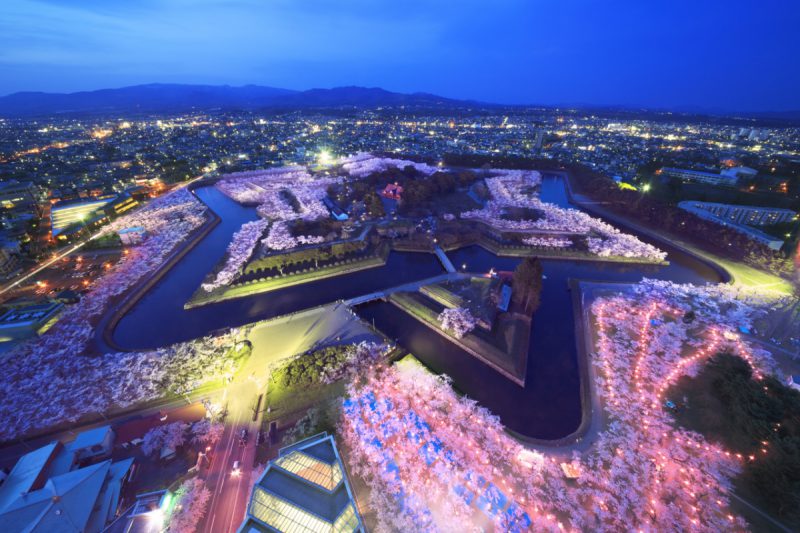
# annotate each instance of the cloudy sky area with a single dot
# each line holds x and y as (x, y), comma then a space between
(709, 54)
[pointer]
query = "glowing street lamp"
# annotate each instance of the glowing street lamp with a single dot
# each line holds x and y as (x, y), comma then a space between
(156, 518)
(324, 157)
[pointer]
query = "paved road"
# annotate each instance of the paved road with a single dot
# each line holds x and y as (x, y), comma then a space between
(272, 341)
(230, 491)
(11, 452)
(64, 252)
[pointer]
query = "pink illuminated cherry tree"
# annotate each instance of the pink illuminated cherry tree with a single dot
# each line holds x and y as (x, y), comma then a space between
(435, 460)
(192, 499)
(457, 320)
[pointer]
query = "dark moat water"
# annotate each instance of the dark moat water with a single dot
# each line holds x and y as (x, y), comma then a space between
(548, 407)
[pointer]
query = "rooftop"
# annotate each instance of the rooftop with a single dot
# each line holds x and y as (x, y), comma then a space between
(303, 490)
(29, 314)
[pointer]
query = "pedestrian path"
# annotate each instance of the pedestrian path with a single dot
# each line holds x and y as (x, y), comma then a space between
(446, 263)
(406, 287)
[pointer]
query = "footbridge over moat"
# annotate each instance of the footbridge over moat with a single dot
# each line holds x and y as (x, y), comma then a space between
(406, 287)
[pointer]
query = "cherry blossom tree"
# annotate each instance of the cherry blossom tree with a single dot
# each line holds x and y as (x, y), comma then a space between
(239, 251)
(207, 433)
(457, 320)
(191, 501)
(514, 189)
(363, 164)
(547, 242)
(357, 357)
(433, 458)
(58, 386)
(165, 436)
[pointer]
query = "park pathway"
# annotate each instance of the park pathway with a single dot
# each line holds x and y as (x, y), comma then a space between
(446, 263)
(406, 287)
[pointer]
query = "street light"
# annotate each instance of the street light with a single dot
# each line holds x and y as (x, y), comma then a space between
(324, 157)
(82, 218)
(156, 518)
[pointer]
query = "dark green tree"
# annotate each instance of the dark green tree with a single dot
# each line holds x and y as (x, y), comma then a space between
(528, 283)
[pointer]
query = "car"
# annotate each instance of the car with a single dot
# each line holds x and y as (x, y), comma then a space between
(236, 469)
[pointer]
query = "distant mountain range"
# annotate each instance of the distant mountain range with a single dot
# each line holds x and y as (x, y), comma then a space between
(159, 97)
(177, 98)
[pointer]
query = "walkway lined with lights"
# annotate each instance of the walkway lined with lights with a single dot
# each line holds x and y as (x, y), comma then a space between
(437, 454)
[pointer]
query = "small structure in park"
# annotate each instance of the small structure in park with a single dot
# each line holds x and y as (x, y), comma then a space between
(335, 211)
(93, 443)
(29, 320)
(393, 191)
(132, 236)
(304, 489)
(505, 298)
(571, 470)
(146, 515)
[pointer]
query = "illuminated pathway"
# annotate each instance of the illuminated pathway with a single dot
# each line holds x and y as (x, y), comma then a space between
(411, 435)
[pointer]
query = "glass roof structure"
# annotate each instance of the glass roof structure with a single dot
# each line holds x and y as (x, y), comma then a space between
(304, 490)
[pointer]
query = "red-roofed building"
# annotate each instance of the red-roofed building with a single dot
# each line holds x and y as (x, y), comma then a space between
(393, 191)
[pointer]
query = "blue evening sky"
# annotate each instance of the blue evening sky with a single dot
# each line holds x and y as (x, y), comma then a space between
(711, 54)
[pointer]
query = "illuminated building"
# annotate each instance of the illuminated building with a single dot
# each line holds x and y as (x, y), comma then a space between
(146, 515)
(700, 176)
(304, 490)
(63, 215)
(27, 321)
(749, 215)
(742, 217)
(335, 211)
(741, 173)
(393, 191)
(15, 195)
(121, 204)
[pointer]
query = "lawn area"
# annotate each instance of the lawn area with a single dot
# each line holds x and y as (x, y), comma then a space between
(202, 297)
(742, 274)
(505, 347)
(418, 306)
(476, 294)
(297, 384)
(757, 419)
(285, 400)
(109, 240)
(454, 203)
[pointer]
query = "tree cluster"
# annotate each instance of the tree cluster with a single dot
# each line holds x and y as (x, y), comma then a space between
(527, 284)
(754, 417)
(652, 211)
(192, 499)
